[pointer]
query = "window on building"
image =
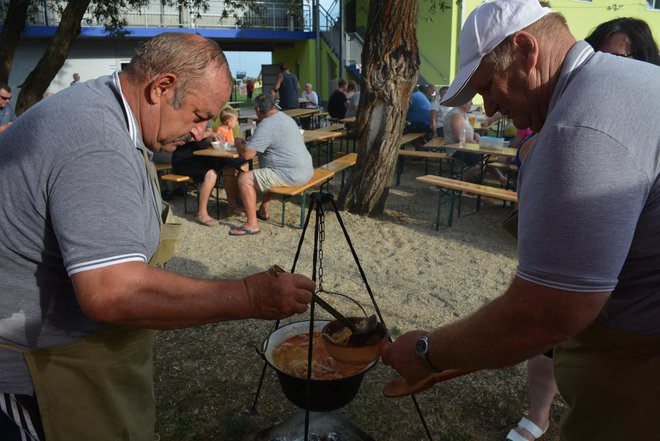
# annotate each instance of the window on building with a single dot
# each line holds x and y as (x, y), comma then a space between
(653, 4)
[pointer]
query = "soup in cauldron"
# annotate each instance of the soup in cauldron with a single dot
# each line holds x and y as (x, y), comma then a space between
(291, 357)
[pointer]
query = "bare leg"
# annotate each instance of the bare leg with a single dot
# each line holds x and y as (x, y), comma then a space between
(542, 391)
(247, 188)
(498, 175)
(204, 194)
(265, 203)
(229, 175)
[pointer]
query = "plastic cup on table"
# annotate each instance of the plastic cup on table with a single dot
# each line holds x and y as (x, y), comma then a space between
(215, 144)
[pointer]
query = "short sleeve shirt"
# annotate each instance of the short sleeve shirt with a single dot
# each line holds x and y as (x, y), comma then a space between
(76, 196)
(281, 147)
(590, 189)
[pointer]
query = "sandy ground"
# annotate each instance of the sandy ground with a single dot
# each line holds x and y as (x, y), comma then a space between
(206, 378)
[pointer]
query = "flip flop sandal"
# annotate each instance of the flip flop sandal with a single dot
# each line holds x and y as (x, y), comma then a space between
(527, 425)
(245, 232)
(262, 217)
(209, 221)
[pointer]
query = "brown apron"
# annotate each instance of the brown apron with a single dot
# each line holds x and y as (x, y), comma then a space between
(101, 386)
(611, 381)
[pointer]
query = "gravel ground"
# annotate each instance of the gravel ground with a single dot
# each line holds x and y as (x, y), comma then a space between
(207, 377)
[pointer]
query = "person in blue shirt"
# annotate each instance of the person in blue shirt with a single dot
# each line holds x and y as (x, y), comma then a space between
(7, 115)
(419, 112)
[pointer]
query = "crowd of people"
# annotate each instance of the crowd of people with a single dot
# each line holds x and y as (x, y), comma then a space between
(83, 277)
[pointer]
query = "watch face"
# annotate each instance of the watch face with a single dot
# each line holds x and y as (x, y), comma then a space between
(421, 346)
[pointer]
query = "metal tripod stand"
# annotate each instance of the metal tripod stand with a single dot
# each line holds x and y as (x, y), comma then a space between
(319, 199)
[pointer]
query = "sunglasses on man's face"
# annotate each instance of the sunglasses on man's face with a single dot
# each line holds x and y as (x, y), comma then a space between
(6, 98)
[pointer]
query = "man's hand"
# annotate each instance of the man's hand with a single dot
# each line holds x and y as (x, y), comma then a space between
(276, 297)
(401, 356)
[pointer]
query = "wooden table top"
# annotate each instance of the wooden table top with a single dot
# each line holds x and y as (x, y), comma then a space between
(320, 135)
(300, 113)
(217, 153)
(485, 149)
(438, 143)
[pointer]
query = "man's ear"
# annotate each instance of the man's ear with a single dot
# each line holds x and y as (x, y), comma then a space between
(160, 87)
(527, 47)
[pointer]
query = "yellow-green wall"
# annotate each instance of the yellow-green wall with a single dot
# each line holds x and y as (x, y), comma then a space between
(301, 60)
(438, 31)
(584, 16)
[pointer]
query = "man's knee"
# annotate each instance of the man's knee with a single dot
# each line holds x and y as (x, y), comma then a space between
(211, 175)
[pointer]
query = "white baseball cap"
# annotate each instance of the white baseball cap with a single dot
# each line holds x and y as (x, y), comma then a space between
(485, 28)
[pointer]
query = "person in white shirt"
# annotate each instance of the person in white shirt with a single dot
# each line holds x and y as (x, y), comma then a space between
(438, 113)
(311, 97)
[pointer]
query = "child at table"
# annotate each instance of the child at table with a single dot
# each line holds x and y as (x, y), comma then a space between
(228, 120)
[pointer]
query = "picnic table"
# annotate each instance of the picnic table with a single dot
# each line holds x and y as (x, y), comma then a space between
(300, 113)
(319, 137)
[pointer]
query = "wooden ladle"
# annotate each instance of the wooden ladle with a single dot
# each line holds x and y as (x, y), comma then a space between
(400, 387)
(367, 326)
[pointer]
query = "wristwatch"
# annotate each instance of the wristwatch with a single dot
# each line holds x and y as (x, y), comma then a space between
(422, 350)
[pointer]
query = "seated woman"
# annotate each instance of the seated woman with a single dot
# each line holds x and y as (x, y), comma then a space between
(203, 169)
(456, 125)
(438, 113)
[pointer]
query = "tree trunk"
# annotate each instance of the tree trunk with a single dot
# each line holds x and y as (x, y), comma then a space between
(390, 61)
(54, 57)
(11, 34)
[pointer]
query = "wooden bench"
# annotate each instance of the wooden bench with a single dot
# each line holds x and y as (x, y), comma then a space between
(409, 137)
(333, 127)
(340, 165)
(187, 180)
(163, 167)
(426, 155)
(320, 177)
(453, 186)
(178, 179)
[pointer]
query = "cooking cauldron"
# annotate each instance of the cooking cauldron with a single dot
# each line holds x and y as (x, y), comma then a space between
(326, 395)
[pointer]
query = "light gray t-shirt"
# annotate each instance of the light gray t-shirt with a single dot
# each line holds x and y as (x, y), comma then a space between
(75, 196)
(442, 112)
(353, 102)
(590, 192)
(450, 137)
(282, 148)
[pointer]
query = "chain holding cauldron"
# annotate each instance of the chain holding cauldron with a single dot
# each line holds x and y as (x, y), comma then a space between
(352, 341)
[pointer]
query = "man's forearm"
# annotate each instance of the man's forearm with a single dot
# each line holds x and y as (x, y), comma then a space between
(527, 320)
(138, 295)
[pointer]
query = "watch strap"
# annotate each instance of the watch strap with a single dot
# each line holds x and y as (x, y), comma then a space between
(424, 357)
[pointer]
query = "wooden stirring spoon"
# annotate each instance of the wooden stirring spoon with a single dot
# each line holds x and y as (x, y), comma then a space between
(400, 387)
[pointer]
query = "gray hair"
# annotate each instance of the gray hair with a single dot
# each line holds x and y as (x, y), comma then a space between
(265, 102)
(188, 56)
(546, 27)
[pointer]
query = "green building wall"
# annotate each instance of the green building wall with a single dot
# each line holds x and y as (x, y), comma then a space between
(582, 16)
(438, 31)
(301, 60)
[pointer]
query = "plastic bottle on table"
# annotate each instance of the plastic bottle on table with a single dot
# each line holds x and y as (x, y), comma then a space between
(461, 138)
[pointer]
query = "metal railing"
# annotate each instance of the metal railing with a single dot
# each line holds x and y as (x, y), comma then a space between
(271, 15)
(354, 45)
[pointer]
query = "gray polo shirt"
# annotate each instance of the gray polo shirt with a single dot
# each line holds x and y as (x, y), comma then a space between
(75, 196)
(590, 191)
(282, 148)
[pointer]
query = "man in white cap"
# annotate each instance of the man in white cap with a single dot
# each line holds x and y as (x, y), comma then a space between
(589, 226)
